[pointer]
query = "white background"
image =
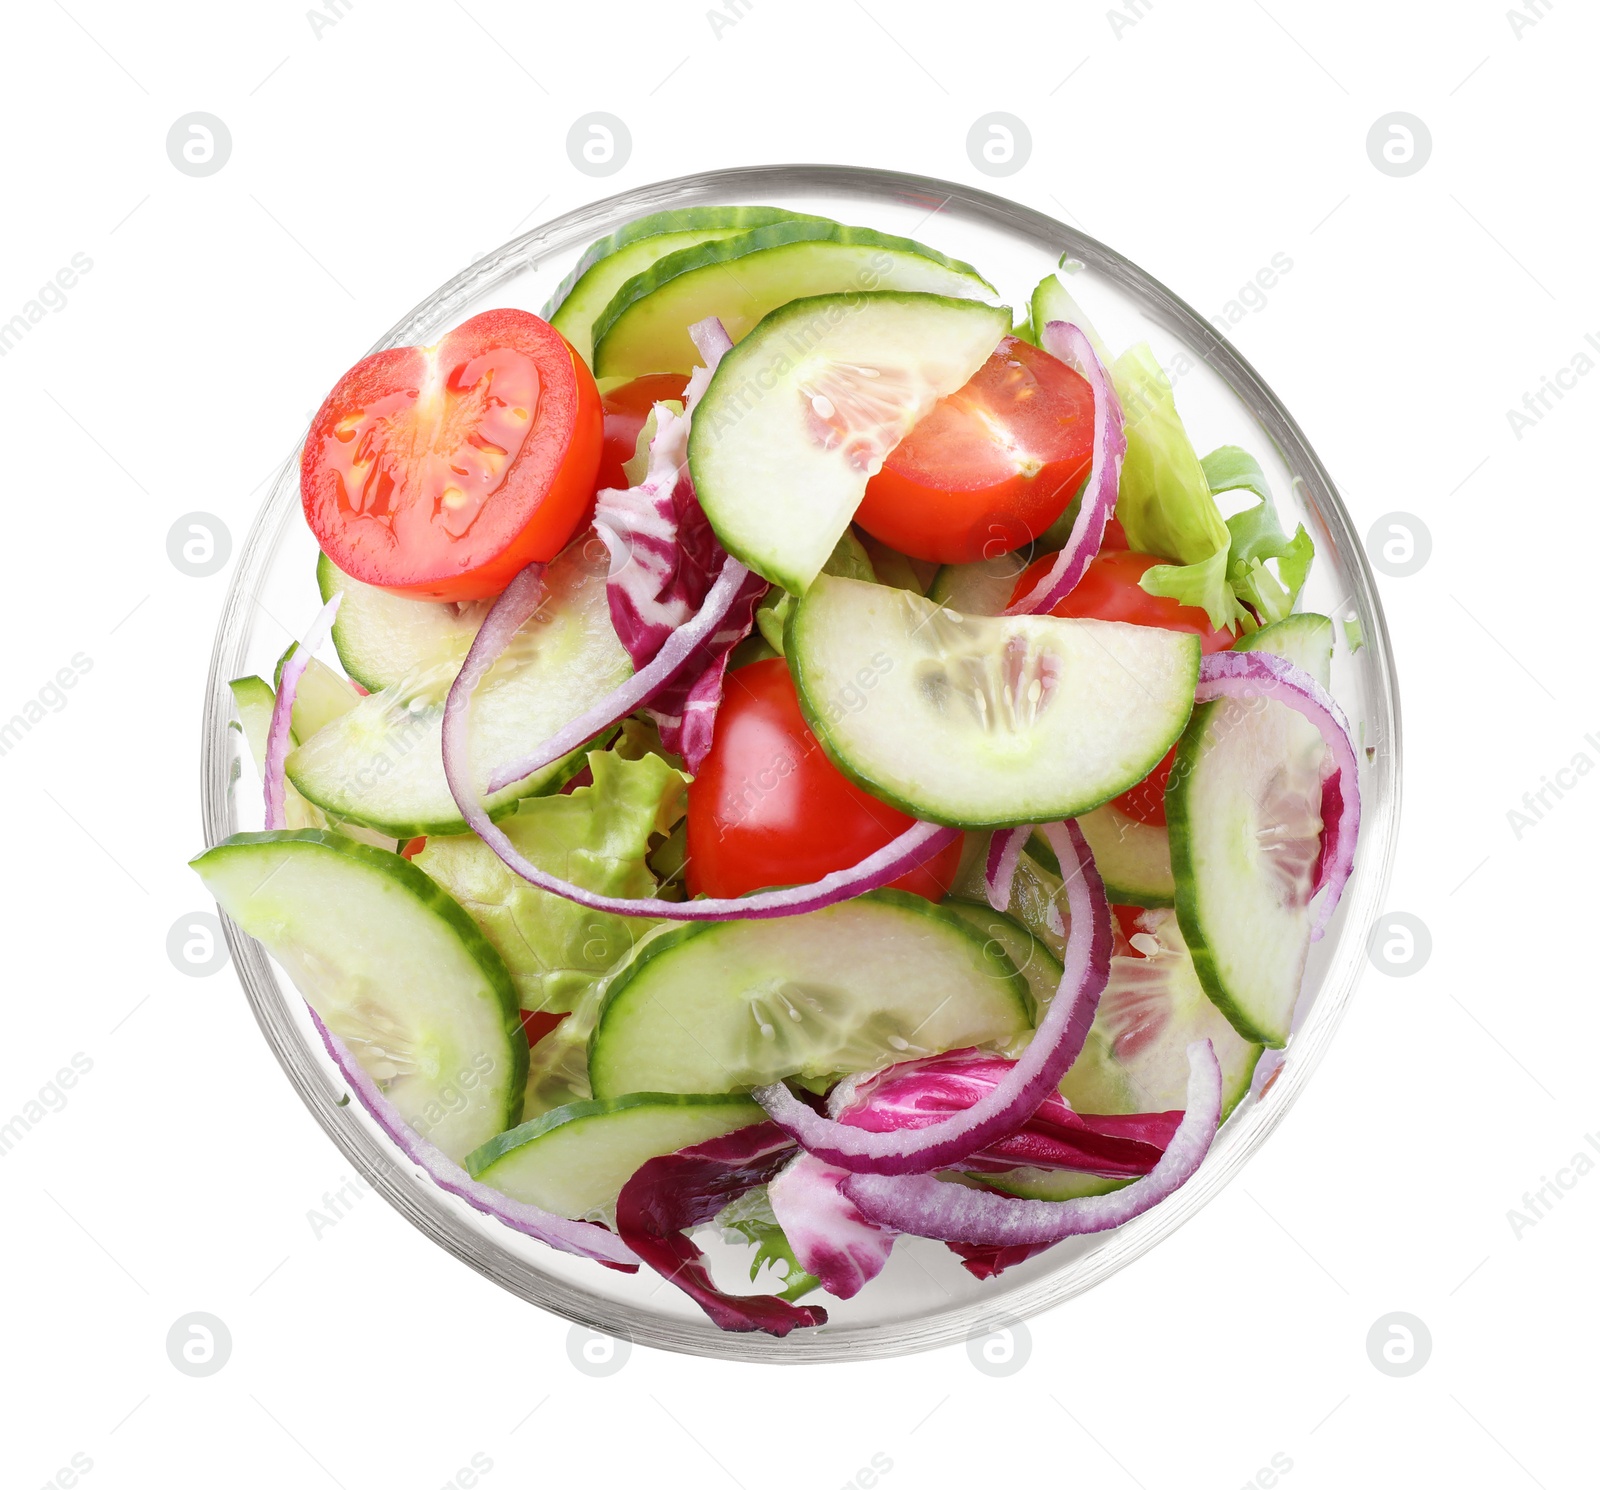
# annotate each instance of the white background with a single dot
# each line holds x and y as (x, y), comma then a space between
(374, 157)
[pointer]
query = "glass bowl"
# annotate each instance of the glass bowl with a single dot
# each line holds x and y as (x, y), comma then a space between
(923, 1299)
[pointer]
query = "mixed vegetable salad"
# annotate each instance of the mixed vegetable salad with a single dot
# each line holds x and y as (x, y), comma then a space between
(810, 756)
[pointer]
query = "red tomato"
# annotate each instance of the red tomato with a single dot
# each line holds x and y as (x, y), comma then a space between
(990, 467)
(439, 472)
(414, 847)
(1147, 802)
(537, 1023)
(1127, 927)
(626, 409)
(1110, 591)
(769, 808)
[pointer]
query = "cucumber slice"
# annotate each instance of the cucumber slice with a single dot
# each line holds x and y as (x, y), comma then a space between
(609, 263)
(1136, 1059)
(1244, 815)
(393, 966)
(1053, 301)
(983, 721)
(253, 700)
(1134, 858)
(1037, 903)
(1031, 957)
(383, 639)
(800, 414)
(574, 1161)
(1305, 639)
(381, 764)
(979, 589)
(320, 697)
(734, 1004)
(1051, 1184)
(740, 279)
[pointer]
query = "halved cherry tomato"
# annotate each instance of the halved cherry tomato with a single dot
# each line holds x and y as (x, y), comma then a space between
(439, 472)
(769, 808)
(990, 467)
(1110, 591)
(626, 409)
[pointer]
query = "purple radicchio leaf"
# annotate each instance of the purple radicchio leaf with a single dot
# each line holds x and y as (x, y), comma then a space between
(664, 558)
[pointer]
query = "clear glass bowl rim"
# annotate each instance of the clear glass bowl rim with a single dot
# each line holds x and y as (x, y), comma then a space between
(318, 1082)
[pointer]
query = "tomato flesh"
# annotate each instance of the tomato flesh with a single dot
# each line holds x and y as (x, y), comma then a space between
(626, 411)
(1110, 591)
(769, 808)
(1147, 802)
(439, 472)
(990, 467)
(537, 1023)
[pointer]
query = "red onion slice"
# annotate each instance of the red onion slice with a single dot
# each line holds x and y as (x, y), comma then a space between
(278, 730)
(1000, 869)
(830, 1238)
(581, 1238)
(669, 1196)
(920, 1205)
(519, 600)
(916, 1093)
(1055, 1045)
(1066, 342)
(1265, 675)
(917, 844)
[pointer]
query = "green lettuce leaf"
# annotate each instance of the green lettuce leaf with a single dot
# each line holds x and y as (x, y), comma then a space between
(1257, 536)
(750, 1217)
(597, 837)
(1165, 503)
(848, 560)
